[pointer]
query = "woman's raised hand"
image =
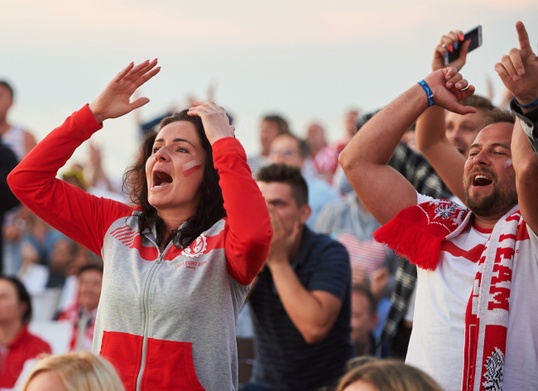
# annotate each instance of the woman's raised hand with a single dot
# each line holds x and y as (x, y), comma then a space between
(216, 122)
(115, 100)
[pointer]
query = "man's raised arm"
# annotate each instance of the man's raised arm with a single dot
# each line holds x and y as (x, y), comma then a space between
(519, 72)
(380, 188)
(430, 131)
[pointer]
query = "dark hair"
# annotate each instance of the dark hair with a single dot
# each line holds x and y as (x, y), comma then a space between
(497, 115)
(89, 266)
(303, 148)
(23, 296)
(302, 145)
(478, 102)
(279, 121)
(210, 206)
(365, 290)
(8, 87)
(292, 176)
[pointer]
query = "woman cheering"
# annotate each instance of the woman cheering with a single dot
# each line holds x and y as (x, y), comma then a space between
(179, 261)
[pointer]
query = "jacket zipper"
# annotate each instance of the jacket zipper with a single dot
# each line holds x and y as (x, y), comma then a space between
(145, 313)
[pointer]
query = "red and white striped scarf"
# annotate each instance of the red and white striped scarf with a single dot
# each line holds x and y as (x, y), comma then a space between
(73, 313)
(417, 232)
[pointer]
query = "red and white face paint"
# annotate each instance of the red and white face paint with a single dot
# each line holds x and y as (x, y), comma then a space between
(191, 167)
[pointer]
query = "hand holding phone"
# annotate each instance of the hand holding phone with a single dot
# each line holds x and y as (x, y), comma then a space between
(475, 35)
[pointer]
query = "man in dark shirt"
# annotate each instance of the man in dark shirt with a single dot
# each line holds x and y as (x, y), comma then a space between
(300, 303)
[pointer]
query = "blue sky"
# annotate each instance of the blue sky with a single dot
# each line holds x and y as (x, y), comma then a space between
(308, 60)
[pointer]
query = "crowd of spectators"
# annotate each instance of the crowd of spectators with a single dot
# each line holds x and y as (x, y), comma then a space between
(340, 301)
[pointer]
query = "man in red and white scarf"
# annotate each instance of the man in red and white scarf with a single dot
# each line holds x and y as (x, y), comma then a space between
(475, 325)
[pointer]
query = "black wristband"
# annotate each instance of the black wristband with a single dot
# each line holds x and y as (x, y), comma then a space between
(528, 106)
(529, 117)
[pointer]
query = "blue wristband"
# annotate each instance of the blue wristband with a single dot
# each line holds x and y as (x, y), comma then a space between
(529, 106)
(429, 92)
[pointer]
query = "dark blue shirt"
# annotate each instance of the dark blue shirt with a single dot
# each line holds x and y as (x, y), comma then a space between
(284, 361)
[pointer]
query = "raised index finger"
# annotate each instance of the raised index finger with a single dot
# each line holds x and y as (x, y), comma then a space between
(523, 37)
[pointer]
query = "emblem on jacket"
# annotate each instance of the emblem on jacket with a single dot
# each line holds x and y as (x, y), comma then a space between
(196, 248)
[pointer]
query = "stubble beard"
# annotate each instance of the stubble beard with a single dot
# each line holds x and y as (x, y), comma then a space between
(497, 203)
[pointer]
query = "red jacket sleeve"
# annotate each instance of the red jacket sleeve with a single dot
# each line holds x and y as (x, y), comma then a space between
(249, 229)
(79, 215)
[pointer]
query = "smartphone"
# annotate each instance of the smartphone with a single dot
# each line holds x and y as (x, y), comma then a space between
(475, 35)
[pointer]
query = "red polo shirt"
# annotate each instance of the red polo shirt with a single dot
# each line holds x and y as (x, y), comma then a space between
(12, 357)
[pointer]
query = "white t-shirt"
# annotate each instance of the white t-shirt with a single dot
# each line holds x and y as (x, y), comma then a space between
(437, 339)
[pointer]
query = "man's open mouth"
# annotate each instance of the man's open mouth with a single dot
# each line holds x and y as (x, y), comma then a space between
(481, 180)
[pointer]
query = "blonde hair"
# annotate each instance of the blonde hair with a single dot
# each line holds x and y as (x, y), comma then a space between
(389, 375)
(79, 371)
